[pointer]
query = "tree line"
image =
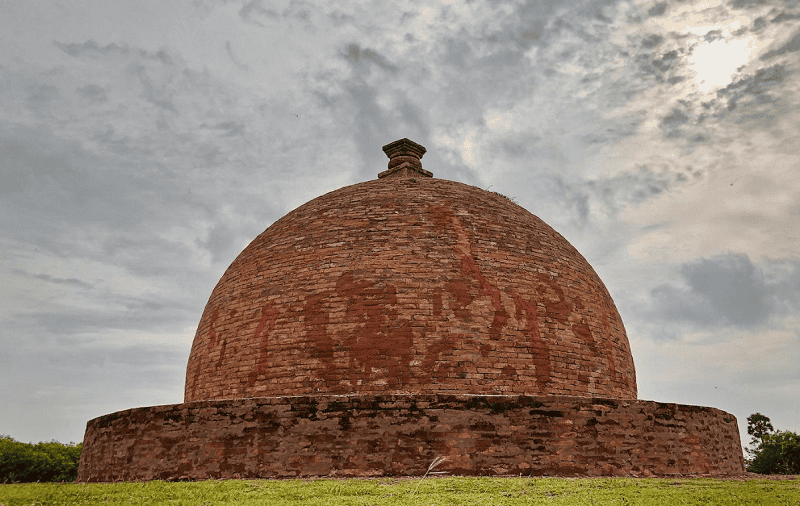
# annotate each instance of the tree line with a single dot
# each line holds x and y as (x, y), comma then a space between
(25, 462)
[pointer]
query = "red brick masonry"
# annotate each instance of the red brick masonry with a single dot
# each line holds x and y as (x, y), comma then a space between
(414, 285)
(375, 435)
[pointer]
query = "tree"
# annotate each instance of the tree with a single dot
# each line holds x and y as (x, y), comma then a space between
(772, 452)
(758, 426)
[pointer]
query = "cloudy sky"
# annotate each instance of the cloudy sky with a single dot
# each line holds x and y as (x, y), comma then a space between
(144, 144)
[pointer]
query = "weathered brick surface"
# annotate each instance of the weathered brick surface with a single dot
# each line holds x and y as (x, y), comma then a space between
(369, 435)
(410, 284)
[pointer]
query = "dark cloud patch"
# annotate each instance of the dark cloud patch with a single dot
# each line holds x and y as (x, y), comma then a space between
(675, 118)
(607, 196)
(252, 11)
(74, 206)
(119, 313)
(746, 98)
(726, 290)
(672, 124)
(223, 242)
(42, 95)
(482, 71)
(84, 356)
(141, 253)
(713, 35)
(377, 126)
(233, 57)
(231, 128)
(786, 285)
(143, 357)
(255, 12)
(158, 84)
(732, 286)
(459, 52)
(156, 71)
(135, 194)
(356, 54)
(371, 103)
(58, 180)
(75, 282)
(539, 23)
(753, 90)
(340, 18)
(16, 164)
(63, 281)
(664, 67)
(533, 32)
(652, 41)
(299, 10)
(747, 4)
(658, 9)
(515, 148)
(572, 198)
(531, 22)
(636, 186)
(91, 49)
(93, 93)
(666, 61)
(784, 17)
(790, 47)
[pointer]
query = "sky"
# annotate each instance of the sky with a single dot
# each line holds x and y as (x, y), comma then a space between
(144, 144)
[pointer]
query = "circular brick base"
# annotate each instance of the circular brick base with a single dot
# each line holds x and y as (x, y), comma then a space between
(400, 435)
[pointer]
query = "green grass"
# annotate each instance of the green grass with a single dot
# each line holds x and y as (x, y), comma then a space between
(439, 491)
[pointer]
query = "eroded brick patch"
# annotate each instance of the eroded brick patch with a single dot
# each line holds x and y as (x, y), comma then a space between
(397, 435)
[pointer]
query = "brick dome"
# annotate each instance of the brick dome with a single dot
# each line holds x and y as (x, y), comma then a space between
(410, 285)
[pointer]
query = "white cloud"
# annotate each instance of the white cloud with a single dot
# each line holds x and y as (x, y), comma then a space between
(717, 61)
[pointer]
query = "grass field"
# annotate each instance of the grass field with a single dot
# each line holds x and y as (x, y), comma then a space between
(438, 491)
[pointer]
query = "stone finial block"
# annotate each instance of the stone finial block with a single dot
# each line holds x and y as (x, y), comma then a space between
(404, 147)
(404, 159)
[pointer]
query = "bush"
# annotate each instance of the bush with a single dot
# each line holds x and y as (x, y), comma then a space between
(23, 462)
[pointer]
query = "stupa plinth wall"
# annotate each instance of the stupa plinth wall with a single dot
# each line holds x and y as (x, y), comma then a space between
(400, 435)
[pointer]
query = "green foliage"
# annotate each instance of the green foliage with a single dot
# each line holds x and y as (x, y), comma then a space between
(23, 462)
(439, 491)
(777, 453)
(771, 453)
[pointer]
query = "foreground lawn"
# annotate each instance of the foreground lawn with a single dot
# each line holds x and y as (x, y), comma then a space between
(449, 491)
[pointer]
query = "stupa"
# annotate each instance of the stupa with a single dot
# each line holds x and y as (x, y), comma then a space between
(396, 321)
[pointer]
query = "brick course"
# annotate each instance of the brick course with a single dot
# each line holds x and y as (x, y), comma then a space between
(398, 435)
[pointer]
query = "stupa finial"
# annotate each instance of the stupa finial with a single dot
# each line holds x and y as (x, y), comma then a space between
(404, 159)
